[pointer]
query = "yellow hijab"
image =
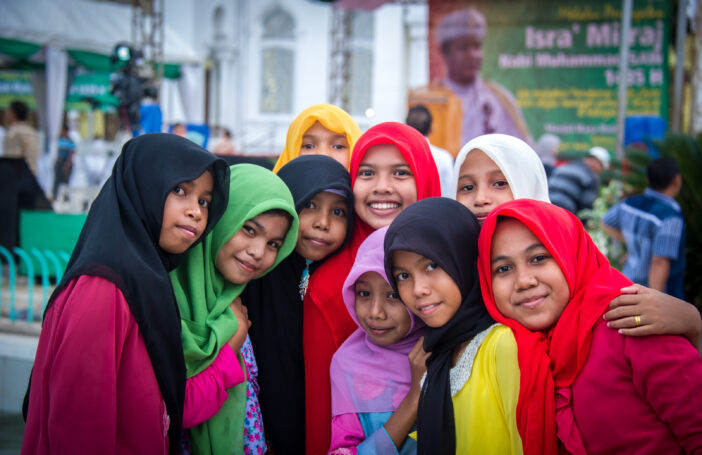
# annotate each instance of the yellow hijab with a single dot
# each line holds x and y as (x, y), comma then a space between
(331, 117)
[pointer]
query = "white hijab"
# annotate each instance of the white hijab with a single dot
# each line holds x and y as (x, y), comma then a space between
(519, 163)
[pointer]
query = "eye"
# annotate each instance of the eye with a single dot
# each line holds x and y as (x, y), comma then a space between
(307, 146)
(339, 147)
(363, 293)
(178, 190)
(339, 212)
(274, 244)
(394, 296)
(248, 229)
(204, 203)
(432, 266)
(502, 269)
(539, 258)
(466, 188)
(402, 173)
(501, 184)
(365, 173)
(309, 205)
(402, 276)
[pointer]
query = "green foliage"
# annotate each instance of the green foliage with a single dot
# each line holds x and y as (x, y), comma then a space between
(608, 196)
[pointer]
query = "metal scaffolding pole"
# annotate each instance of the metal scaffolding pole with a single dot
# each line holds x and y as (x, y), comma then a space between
(148, 33)
(340, 58)
(627, 6)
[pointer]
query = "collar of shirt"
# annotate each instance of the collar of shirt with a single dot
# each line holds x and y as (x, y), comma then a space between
(663, 198)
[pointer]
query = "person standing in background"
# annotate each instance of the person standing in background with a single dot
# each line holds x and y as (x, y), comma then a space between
(21, 139)
(420, 119)
(574, 186)
(64, 161)
(653, 228)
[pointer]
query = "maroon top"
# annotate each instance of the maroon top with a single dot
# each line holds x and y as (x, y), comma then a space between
(636, 395)
(93, 387)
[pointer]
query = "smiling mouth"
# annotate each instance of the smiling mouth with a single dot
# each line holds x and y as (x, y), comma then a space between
(247, 266)
(531, 302)
(188, 231)
(384, 205)
(379, 330)
(317, 242)
(428, 309)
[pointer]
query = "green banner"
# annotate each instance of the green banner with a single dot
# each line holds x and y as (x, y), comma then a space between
(560, 60)
(90, 88)
(16, 85)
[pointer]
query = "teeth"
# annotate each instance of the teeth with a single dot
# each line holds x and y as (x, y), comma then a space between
(427, 308)
(384, 205)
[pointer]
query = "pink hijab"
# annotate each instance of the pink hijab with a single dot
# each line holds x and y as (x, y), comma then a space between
(366, 377)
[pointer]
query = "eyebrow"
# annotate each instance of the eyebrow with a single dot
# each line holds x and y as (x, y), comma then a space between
(526, 250)
(468, 176)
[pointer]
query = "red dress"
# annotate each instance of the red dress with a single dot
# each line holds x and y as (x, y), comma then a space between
(93, 387)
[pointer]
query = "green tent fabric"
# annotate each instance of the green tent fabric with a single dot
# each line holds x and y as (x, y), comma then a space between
(21, 50)
(93, 60)
(204, 296)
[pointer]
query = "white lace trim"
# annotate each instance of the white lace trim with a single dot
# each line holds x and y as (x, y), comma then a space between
(460, 374)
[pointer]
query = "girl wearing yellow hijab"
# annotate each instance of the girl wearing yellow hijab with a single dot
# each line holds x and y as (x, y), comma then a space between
(322, 129)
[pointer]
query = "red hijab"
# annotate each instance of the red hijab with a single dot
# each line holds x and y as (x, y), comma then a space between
(324, 289)
(552, 360)
(326, 321)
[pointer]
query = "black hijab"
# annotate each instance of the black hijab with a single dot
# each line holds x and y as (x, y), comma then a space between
(446, 232)
(275, 311)
(119, 242)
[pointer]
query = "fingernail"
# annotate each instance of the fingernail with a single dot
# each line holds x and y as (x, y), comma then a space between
(620, 331)
(609, 325)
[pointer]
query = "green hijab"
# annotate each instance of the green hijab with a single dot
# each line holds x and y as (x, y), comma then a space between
(204, 296)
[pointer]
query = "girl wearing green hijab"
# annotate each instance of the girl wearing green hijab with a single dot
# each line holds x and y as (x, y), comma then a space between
(257, 231)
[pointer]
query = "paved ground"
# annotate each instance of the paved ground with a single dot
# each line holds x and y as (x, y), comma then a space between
(11, 430)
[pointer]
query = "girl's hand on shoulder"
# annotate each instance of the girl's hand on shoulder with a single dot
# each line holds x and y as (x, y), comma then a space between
(642, 311)
(242, 316)
(418, 363)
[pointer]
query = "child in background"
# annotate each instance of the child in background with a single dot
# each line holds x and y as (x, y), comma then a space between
(322, 129)
(375, 391)
(469, 396)
(597, 391)
(257, 231)
(391, 167)
(321, 189)
(109, 374)
(496, 168)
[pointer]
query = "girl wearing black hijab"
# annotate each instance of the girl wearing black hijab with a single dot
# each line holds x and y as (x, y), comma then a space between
(109, 374)
(469, 395)
(321, 189)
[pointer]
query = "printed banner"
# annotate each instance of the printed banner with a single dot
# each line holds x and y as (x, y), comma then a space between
(551, 65)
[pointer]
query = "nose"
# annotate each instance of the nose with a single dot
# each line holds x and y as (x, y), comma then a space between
(383, 183)
(255, 248)
(525, 279)
(376, 309)
(194, 209)
(421, 287)
(322, 220)
(482, 197)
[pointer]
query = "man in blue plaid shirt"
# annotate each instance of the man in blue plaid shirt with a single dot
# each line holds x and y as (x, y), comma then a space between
(653, 229)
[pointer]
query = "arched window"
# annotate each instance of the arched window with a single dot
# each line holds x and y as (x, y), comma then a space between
(277, 62)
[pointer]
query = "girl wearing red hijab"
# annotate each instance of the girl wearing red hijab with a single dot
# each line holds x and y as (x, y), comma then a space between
(582, 383)
(391, 167)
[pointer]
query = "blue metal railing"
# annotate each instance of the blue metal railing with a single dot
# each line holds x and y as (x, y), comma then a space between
(50, 263)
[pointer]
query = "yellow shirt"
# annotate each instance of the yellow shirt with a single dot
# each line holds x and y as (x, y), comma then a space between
(485, 391)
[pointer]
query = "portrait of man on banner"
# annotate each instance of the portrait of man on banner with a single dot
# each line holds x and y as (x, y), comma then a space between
(486, 106)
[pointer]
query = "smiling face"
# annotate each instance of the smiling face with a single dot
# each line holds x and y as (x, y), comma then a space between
(384, 186)
(427, 290)
(323, 224)
(481, 185)
(253, 249)
(527, 283)
(379, 310)
(319, 140)
(185, 214)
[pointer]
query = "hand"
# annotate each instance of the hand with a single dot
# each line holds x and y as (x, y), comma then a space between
(242, 317)
(659, 314)
(418, 363)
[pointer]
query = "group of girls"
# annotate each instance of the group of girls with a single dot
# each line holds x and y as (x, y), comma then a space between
(324, 310)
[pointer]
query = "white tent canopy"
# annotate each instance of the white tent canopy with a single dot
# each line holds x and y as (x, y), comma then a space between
(81, 24)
